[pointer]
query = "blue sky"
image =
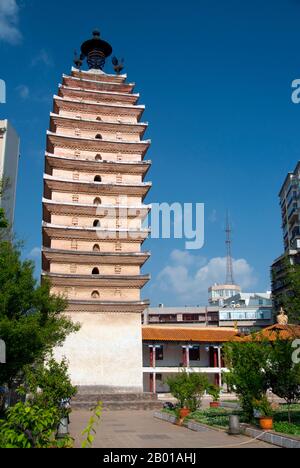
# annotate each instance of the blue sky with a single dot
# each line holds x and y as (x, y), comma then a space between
(216, 79)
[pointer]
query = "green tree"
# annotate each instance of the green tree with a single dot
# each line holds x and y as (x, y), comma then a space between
(48, 384)
(247, 364)
(3, 220)
(31, 319)
(283, 374)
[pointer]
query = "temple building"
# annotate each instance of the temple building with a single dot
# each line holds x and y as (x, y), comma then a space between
(93, 213)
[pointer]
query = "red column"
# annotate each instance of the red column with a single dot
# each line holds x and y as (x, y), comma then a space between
(184, 357)
(216, 363)
(151, 357)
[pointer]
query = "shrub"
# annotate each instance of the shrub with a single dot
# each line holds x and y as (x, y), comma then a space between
(214, 391)
(188, 389)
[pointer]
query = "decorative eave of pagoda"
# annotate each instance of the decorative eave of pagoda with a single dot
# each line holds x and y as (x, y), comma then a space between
(93, 144)
(114, 307)
(103, 281)
(98, 75)
(75, 105)
(97, 95)
(104, 166)
(96, 188)
(54, 231)
(101, 211)
(98, 85)
(87, 258)
(138, 128)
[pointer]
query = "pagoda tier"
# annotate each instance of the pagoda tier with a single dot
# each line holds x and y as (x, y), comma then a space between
(94, 234)
(118, 307)
(101, 188)
(106, 211)
(99, 281)
(110, 97)
(104, 258)
(74, 82)
(90, 165)
(102, 77)
(61, 121)
(97, 145)
(91, 107)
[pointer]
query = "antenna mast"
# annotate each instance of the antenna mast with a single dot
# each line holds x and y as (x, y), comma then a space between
(229, 266)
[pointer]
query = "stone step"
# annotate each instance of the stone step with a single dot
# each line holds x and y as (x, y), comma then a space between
(95, 397)
(119, 405)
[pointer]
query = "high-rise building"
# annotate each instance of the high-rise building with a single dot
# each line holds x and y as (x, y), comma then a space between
(289, 196)
(9, 162)
(93, 210)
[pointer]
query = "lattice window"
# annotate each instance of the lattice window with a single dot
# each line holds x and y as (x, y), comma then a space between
(118, 269)
(75, 198)
(74, 245)
(118, 247)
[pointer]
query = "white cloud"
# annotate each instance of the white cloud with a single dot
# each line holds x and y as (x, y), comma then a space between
(9, 19)
(188, 277)
(35, 253)
(42, 58)
(23, 91)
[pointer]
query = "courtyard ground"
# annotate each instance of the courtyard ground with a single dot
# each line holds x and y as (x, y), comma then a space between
(139, 429)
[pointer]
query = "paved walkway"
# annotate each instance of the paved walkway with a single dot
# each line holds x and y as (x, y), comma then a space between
(139, 429)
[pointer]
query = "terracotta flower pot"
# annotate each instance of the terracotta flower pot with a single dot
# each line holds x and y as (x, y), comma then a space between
(184, 412)
(215, 404)
(266, 423)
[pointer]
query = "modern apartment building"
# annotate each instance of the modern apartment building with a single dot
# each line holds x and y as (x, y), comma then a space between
(9, 161)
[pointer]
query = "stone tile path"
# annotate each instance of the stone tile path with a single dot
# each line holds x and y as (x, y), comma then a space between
(139, 429)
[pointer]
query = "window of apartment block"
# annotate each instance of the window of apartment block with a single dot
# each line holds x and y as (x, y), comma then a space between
(75, 198)
(118, 269)
(160, 353)
(195, 353)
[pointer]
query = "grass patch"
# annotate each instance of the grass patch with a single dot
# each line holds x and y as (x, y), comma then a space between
(287, 428)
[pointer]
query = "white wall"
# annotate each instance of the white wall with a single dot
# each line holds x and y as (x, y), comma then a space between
(106, 352)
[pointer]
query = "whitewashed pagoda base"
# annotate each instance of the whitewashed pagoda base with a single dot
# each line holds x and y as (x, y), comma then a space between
(106, 353)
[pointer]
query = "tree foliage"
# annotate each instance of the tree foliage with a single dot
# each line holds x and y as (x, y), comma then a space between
(31, 319)
(247, 363)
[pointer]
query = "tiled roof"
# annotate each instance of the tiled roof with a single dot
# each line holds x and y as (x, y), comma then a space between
(283, 332)
(204, 335)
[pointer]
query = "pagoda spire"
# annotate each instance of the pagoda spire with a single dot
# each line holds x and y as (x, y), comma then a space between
(95, 51)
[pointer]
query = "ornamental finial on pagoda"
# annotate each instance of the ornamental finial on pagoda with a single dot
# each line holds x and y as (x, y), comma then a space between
(95, 51)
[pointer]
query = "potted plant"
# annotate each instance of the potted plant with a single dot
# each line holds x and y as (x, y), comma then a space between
(265, 413)
(214, 391)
